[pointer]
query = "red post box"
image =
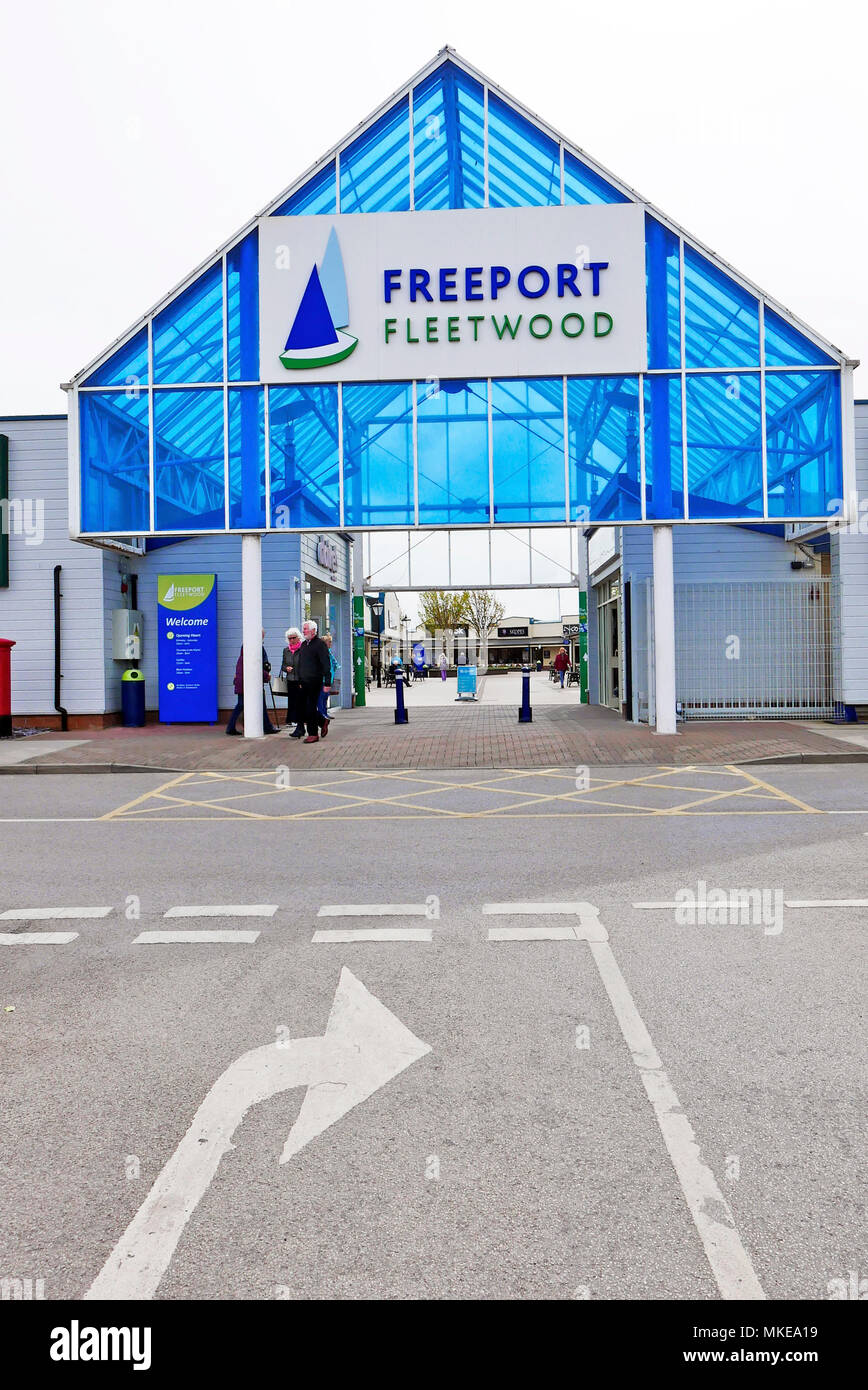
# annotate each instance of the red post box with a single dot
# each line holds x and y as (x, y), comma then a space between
(5, 688)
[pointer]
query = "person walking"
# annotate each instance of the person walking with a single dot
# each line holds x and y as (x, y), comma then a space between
(314, 672)
(323, 704)
(444, 665)
(562, 664)
(238, 686)
(289, 672)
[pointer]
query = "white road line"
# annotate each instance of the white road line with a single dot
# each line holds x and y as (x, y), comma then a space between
(655, 907)
(537, 934)
(538, 909)
(730, 1263)
(373, 910)
(825, 902)
(37, 938)
(51, 914)
(150, 938)
(224, 910)
(373, 934)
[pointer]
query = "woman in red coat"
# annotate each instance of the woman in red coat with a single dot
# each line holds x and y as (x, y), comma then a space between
(562, 664)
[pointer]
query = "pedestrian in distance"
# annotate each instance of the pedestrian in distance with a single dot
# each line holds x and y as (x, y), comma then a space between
(314, 673)
(562, 664)
(238, 686)
(444, 665)
(289, 672)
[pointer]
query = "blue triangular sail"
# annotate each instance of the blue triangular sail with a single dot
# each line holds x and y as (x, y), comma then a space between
(334, 282)
(312, 326)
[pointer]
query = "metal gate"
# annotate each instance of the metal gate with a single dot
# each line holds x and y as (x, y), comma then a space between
(763, 650)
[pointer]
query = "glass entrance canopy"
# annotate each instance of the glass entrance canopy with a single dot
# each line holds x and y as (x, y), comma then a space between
(737, 416)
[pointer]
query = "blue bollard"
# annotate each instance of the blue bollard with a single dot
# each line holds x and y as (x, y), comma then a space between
(525, 714)
(401, 716)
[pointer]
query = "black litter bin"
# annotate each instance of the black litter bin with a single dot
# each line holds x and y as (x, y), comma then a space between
(133, 699)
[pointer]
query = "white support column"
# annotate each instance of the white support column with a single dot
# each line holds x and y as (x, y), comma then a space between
(251, 628)
(664, 630)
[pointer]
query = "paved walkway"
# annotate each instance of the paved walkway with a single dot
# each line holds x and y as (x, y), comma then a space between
(448, 736)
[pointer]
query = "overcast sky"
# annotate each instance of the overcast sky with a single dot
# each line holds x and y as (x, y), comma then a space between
(137, 138)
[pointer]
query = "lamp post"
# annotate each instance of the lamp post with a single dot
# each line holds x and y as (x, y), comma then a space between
(377, 610)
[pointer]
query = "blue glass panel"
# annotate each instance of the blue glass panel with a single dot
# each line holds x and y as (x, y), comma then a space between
(724, 446)
(378, 454)
(452, 443)
(787, 347)
(126, 367)
(524, 165)
(448, 137)
(582, 185)
(242, 309)
(375, 168)
(188, 335)
(305, 483)
(664, 455)
(527, 423)
(188, 460)
(803, 443)
(721, 320)
(318, 195)
(247, 458)
(662, 276)
(114, 462)
(603, 432)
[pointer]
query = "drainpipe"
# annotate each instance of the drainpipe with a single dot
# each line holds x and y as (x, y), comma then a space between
(64, 717)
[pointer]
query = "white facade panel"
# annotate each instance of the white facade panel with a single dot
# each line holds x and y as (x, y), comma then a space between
(850, 562)
(38, 475)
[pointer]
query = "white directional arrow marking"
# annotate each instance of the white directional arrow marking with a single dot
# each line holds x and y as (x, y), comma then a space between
(363, 1047)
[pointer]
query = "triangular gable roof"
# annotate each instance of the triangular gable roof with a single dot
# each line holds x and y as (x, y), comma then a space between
(449, 55)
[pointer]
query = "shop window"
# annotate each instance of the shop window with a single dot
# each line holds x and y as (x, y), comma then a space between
(115, 495)
(785, 346)
(724, 446)
(603, 441)
(448, 140)
(126, 367)
(803, 442)
(663, 280)
(527, 423)
(188, 460)
(452, 431)
(721, 318)
(303, 428)
(375, 168)
(247, 458)
(188, 335)
(664, 455)
(242, 309)
(583, 185)
(524, 164)
(318, 195)
(378, 454)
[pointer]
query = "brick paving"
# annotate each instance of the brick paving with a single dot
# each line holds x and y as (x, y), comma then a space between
(456, 736)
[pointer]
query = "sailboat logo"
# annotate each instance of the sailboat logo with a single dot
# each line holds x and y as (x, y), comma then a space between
(317, 337)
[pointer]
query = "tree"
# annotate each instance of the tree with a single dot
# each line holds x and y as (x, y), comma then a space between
(442, 611)
(485, 611)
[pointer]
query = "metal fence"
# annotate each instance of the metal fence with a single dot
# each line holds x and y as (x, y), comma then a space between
(763, 650)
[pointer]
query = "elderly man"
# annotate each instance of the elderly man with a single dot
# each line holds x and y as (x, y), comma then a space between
(314, 674)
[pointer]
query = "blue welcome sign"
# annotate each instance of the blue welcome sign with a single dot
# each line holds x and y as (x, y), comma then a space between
(187, 648)
(466, 682)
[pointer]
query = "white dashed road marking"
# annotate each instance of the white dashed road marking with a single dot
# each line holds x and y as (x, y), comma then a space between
(226, 910)
(37, 938)
(373, 934)
(51, 914)
(826, 902)
(373, 910)
(153, 938)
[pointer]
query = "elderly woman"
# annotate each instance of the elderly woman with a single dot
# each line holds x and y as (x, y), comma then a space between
(289, 672)
(330, 689)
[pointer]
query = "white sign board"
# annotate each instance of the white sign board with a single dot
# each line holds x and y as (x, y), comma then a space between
(492, 292)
